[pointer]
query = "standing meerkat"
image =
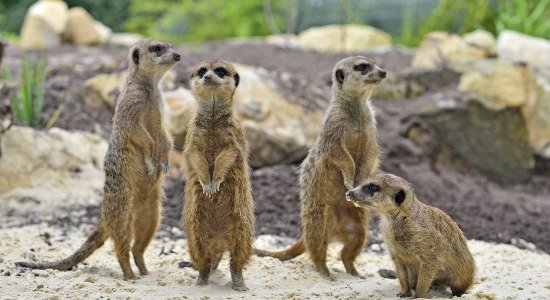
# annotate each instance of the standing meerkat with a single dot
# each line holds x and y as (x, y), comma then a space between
(345, 152)
(218, 214)
(136, 159)
(425, 244)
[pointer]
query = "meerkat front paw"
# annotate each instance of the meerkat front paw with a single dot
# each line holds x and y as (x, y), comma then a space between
(164, 166)
(348, 185)
(150, 167)
(211, 187)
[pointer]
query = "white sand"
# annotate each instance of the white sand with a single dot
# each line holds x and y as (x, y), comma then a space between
(505, 272)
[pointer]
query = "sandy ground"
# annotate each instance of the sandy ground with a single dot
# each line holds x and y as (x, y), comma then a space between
(505, 272)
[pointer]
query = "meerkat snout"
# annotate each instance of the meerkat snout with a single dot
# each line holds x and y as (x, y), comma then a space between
(177, 56)
(382, 73)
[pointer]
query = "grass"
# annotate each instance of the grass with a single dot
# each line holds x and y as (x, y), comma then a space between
(28, 102)
(528, 17)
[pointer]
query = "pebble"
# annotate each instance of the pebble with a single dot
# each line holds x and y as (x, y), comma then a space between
(42, 273)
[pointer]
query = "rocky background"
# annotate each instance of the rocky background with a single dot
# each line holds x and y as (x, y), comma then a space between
(466, 119)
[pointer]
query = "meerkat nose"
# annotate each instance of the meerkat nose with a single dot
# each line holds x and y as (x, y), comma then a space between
(382, 74)
(207, 77)
(177, 56)
(348, 194)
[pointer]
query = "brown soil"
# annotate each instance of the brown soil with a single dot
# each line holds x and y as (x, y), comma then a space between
(485, 210)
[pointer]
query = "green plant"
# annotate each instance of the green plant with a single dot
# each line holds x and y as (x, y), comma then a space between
(529, 17)
(450, 15)
(197, 21)
(28, 102)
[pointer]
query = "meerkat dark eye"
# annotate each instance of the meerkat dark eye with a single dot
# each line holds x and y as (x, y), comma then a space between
(156, 48)
(221, 72)
(399, 197)
(371, 188)
(201, 72)
(362, 67)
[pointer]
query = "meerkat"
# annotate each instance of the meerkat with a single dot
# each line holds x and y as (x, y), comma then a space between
(425, 244)
(218, 213)
(135, 163)
(345, 152)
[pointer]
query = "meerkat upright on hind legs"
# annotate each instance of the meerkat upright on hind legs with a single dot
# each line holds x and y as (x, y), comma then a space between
(426, 245)
(136, 159)
(345, 152)
(218, 214)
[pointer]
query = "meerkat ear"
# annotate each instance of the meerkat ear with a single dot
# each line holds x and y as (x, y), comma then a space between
(399, 197)
(237, 78)
(135, 56)
(339, 74)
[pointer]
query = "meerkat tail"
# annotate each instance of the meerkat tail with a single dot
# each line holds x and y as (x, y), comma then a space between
(295, 250)
(94, 241)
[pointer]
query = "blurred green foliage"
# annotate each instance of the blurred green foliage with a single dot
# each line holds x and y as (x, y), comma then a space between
(200, 20)
(450, 15)
(111, 12)
(530, 17)
(195, 20)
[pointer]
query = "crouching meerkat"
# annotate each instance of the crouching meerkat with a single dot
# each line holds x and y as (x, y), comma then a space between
(345, 152)
(218, 213)
(425, 244)
(136, 159)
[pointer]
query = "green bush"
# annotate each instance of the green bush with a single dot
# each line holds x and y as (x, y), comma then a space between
(450, 15)
(28, 102)
(194, 21)
(110, 12)
(529, 17)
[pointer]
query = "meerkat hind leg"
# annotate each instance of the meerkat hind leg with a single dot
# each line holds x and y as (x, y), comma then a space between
(317, 244)
(122, 241)
(146, 223)
(349, 253)
(204, 273)
(216, 261)
(237, 280)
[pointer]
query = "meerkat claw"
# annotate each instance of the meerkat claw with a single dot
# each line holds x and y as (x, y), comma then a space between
(164, 167)
(150, 167)
(211, 187)
(216, 185)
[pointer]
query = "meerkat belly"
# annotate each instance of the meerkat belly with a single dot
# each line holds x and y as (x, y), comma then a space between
(331, 183)
(347, 220)
(218, 216)
(356, 143)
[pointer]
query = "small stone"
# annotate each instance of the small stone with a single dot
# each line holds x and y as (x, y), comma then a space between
(41, 273)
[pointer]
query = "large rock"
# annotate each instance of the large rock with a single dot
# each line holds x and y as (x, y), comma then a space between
(44, 23)
(82, 29)
(500, 83)
(443, 49)
(283, 40)
(51, 159)
(103, 89)
(278, 132)
(124, 39)
(482, 39)
(518, 47)
(537, 112)
(343, 38)
(477, 138)
(411, 83)
(179, 109)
